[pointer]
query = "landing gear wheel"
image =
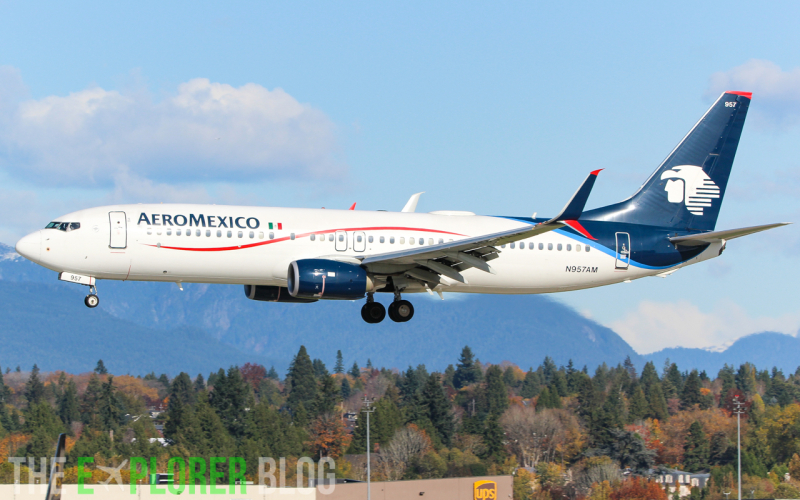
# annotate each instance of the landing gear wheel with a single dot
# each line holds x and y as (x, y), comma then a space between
(373, 312)
(401, 311)
(91, 300)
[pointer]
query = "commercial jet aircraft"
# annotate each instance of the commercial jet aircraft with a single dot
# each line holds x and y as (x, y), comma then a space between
(305, 255)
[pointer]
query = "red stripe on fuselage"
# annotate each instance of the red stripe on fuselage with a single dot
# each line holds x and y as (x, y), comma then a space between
(578, 227)
(304, 235)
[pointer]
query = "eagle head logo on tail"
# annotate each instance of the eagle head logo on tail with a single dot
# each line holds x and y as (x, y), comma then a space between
(690, 185)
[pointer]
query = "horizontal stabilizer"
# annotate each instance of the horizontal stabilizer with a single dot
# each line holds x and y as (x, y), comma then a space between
(729, 234)
(574, 208)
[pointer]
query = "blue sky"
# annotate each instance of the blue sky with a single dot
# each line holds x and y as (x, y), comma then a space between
(497, 109)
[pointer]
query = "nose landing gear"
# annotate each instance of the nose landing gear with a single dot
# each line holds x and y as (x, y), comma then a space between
(92, 300)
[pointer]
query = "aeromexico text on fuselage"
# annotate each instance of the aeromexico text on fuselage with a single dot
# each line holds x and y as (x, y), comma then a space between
(201, 220)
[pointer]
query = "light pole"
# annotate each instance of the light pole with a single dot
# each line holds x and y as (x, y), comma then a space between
(738, 409)
(369, 409)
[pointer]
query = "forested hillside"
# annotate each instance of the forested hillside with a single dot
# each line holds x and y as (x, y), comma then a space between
(567, 433)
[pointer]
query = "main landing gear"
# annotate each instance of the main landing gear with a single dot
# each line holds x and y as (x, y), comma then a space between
(400, 310)
(92, 300)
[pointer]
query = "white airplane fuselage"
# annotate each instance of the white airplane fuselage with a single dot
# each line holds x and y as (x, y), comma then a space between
(209, 250)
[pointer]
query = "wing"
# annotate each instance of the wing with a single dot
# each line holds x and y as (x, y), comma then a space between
(436, 264)
(729, 234)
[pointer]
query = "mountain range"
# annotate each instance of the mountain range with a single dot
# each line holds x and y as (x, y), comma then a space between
(143, 327)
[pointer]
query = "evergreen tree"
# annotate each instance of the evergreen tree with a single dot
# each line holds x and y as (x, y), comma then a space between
(369, 364)
(549, 370)
(691, 391)
(728, 377)
(89, 402)
(467, 371)
(355, 371)
(34, 388)
(496, 391)
(676, 379)
(229, 399)
(109, 406)
(320, 370)
(638, 408)
(303, 384)
(657, 403)
(559, 384)
(387, 419)
(696, 449)
(164, 380)
(100, 369)
(649, 376)
(746, 379)
(630, 368)
(183, 388)
(588, 397)
(508, 377)
(339, 367)
(531, 384)
(545, 399)
(5, 391)
(327, 397)
(494, 437)
(449, 376)
(346, 390)
(272, 373)
(199, 383)
(437, 409)
(68, 404)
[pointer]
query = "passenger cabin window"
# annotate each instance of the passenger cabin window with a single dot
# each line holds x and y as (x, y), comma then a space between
(530, 246)
(513, 245)
(313, 237)
(549, 246)
(391, 240)
(272, 236)
(559, 247)
(149, 230)
(577, 248)
(219, 233)
(260, 235)
(239, 234)
(502, 246)
(358, 238)
(569, 248)
(541, 246)
(208, 233)
(441, 240)
(177, 232)
(588, 248)
(341, 237)
(402, 240)
(230, 234)
(330, 237)
(169, 232)
(197, 232)
(369, 239)
(382, 239)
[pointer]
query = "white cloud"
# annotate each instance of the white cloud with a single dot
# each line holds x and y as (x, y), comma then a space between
(653, 326)
(776, 93)
(204, 132)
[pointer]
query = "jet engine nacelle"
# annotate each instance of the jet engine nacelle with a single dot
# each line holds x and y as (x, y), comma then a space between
(271, 294)
(327, 279)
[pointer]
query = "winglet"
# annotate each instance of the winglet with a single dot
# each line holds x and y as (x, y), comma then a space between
(412, 203)
(352, 207)
(574, 208)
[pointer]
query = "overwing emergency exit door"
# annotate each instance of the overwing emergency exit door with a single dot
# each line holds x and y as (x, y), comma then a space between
(341, 241)
(359, 241)
(623, 250)
(119, 230)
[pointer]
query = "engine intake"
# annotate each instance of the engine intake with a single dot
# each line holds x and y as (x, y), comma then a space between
(272, 294)
(326, 279)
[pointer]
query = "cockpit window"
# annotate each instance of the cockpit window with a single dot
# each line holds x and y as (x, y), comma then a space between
(64, 226)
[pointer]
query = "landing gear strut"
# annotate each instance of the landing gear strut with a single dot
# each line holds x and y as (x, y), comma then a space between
(373, 312)
(400, 310)
(92, 300)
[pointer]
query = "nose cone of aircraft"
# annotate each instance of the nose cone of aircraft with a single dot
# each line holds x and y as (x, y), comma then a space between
(30, 246)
